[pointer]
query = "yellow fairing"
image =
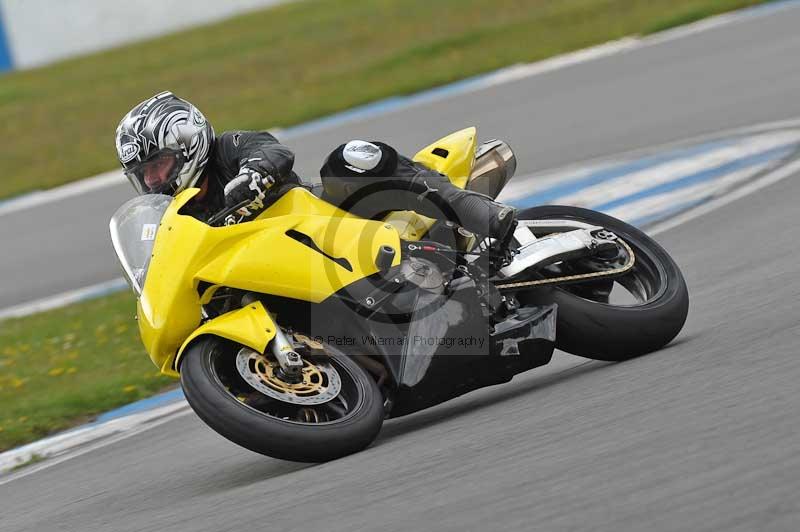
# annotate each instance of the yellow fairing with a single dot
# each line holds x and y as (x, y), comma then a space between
(453, 156)
(301, 255)
(410, 225)
(301, 247)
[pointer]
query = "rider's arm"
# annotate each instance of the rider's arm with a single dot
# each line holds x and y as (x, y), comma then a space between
(256, 162)
(257, 150)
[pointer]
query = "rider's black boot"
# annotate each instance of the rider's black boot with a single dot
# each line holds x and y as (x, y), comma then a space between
(504, 246)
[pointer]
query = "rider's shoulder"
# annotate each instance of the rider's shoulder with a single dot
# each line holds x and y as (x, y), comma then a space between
(239, 137)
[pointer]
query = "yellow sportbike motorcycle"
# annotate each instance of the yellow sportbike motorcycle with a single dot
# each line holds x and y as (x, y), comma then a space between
(296, 334)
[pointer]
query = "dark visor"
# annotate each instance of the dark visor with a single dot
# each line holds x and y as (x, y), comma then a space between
(157, 174)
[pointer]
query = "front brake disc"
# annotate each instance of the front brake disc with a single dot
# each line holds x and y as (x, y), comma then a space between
(320, 381)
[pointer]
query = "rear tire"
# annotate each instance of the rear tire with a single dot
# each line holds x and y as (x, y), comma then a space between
(258, 431)
(603, 331)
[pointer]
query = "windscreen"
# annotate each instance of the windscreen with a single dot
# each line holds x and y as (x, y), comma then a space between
(133, 233)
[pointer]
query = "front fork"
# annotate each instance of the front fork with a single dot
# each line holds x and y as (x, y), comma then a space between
(290, 362)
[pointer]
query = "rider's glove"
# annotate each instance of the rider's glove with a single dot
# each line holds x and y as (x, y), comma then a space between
(249, 185)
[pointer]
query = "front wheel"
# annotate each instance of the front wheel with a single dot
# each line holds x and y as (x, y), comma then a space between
(335, 410)
(590, 323)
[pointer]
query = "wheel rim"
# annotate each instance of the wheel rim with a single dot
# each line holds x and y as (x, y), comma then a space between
(329, 392)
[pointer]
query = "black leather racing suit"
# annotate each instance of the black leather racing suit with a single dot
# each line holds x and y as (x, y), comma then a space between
(397, 183)
(232, 150)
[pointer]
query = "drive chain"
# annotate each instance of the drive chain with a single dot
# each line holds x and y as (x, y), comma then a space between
(577, 277)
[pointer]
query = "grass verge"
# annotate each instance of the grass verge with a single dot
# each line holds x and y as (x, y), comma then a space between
(293, 63)
(62, 367)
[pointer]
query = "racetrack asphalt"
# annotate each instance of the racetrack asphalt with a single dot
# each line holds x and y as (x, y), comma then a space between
(699, 436)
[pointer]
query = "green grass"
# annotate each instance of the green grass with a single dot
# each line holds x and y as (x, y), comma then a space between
(61, 367)
(296, 62)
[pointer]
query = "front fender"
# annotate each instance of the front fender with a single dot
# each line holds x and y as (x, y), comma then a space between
(251, 326)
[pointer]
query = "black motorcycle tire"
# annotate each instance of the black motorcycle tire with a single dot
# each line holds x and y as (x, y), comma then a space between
(271, 436)
(601, 331)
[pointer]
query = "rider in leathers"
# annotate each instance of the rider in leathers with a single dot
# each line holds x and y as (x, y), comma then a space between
(166, 145)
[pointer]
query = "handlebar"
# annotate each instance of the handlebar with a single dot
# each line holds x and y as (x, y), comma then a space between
(224, 213)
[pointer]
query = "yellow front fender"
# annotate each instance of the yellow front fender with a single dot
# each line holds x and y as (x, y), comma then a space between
(251, 326)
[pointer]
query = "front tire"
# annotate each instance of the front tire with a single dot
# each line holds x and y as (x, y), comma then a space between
(603, 331)
(215, 392)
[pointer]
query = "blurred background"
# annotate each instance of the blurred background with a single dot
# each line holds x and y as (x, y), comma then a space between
(267, 68)
(656, 111)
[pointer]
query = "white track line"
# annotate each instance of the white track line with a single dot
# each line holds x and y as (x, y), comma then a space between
(521, 186)
(619, 187)
(745, 190)
(164, 415)
(654, 204)
(36, 199)
(63, 299)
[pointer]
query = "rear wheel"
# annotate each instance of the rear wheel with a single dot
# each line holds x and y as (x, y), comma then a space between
(593, 320)
(335, 409)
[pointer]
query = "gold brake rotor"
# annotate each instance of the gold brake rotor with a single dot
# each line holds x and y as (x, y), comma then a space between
(319, 381)
(311, 384)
